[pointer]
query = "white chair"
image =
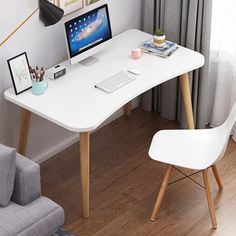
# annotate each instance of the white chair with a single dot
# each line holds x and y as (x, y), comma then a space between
(193, 149)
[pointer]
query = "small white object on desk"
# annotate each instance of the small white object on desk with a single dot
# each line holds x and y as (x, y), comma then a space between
(136, 53)
(134, 71)
(55, 72)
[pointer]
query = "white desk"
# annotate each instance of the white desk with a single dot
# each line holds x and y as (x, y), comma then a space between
(75, 104)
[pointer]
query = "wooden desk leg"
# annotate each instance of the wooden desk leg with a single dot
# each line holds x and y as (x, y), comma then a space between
(84, 166)
(186, 94)
(24, 131)
(127, 109)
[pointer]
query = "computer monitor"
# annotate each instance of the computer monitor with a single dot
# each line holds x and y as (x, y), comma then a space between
(88, 34)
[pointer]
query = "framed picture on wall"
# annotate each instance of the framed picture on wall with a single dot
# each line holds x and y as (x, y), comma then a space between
(70, 6)
(88, 2)
(20, 74)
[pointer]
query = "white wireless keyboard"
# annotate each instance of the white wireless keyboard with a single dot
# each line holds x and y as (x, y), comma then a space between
(116, 81)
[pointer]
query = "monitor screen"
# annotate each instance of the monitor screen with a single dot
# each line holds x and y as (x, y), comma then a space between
(88, 30)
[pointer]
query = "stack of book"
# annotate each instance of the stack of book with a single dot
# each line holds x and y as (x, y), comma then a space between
(164, 51)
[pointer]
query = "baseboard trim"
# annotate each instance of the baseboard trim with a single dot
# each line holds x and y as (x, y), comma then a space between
(56, 149)
(52, 151)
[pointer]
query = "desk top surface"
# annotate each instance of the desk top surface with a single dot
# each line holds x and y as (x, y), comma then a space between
(74, 103)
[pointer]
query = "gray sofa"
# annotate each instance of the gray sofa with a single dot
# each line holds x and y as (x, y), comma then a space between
(28, 213)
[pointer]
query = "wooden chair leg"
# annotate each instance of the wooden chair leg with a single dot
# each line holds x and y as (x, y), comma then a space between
(209, 198)
(162, 191)
(217, 177)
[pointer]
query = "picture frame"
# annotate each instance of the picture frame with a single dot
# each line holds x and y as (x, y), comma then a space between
(70, 6)
(20, 73)
(89, 2)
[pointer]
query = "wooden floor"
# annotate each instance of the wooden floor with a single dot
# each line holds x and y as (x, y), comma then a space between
(125, 182)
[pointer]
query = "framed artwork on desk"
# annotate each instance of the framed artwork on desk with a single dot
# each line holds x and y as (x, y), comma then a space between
(69, 6)
(88, 2)
(20, 73)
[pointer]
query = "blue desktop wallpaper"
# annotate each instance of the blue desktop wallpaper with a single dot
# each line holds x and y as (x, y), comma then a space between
(87, 30)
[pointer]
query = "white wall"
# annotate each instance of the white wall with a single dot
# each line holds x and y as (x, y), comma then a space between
(46, 47)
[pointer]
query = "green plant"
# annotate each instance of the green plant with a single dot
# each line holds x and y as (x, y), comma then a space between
(159, 32)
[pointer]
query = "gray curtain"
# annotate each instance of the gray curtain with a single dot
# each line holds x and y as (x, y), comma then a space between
(188, 23)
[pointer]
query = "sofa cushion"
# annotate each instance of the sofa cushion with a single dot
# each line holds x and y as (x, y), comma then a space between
(7, 173)
(27, 187)
(41, 217)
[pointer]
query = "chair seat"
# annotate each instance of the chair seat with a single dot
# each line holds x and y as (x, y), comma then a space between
(193, 149)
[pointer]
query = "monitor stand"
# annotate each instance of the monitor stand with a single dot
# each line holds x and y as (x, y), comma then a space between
(89, 61)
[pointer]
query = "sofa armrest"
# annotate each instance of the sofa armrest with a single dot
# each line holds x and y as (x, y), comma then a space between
(27, 187)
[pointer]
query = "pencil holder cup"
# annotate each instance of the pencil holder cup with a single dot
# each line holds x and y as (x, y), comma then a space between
(39, 87)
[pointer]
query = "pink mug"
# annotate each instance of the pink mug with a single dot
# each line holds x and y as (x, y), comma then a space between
(136, 53)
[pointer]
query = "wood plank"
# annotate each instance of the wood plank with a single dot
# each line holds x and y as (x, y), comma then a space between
(174, 217)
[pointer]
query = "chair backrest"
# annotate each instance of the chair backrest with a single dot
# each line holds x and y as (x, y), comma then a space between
(224, 130)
